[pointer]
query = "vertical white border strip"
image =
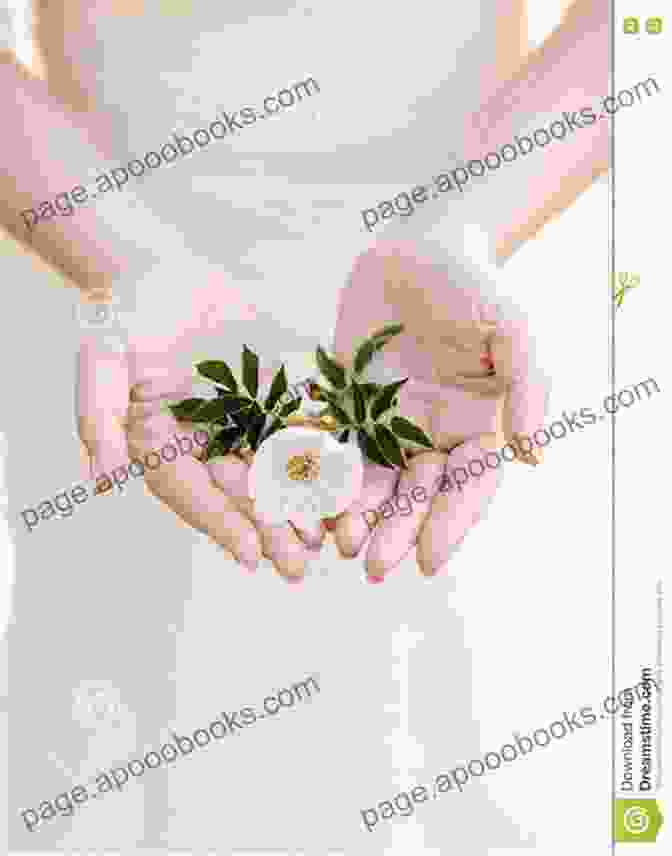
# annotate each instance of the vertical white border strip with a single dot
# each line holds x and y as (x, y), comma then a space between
(7, 551)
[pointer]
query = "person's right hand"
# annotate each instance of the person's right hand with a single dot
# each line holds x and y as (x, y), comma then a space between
(212, 497)
(119, 392)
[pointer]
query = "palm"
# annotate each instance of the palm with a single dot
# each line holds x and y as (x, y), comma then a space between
(453, 394)
(128, 392)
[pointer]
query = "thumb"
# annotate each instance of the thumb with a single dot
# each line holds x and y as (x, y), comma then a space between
(102, 391)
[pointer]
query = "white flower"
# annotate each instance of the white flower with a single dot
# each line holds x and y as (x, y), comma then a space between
(304, 474)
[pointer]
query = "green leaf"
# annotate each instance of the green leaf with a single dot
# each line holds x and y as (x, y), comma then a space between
(223, 442)
(226, 422)
(370, 448)
(289, 408)
(377, 341)
(218, 371)
(363, 355)
(219, 408)
(389, 445)
(256, 426)
(408, 430)
(184, 411)
(250, 371)
(386, 398)
(333, 371)
(339, 414)
(388, 332)
(335, 408)
(242, 418)
(345, 436)
(274, 427)
(370, 390)
(278, 389)
(360, 403)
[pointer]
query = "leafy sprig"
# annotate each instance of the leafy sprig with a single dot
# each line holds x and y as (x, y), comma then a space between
(370, 410)
(365, 410)
(237, 418)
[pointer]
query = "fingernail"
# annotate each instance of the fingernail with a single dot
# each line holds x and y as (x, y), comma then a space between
(370, 578)
(294, 580)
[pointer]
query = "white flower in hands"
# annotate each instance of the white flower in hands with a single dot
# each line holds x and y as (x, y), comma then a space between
(304, 474)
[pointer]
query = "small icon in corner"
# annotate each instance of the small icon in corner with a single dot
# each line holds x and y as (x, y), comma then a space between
(631, 25)
(654, 26)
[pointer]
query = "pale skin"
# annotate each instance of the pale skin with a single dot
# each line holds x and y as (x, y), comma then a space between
(79, 248)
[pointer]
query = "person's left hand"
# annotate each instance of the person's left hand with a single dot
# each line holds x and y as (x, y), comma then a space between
(459, 349)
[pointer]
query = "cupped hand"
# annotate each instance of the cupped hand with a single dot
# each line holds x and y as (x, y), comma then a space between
(121, 397)
(212, 496)
(474, 387)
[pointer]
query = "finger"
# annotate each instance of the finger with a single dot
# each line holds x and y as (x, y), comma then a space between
(186, 487)
(139, 412)
(313, 537)
(97, 294)
(354, 526)
(487, 386)
(171, 382)
(167, 384)
(150, 428)
(279, 543)
(101, 402)
(150, 410)
(396, 535)
(457, 506)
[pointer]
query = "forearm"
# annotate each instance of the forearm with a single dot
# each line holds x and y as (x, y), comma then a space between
(46, 153)
(568, 71)
(508, 185)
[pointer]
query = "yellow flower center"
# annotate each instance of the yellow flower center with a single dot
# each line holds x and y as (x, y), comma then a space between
(304, 467)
